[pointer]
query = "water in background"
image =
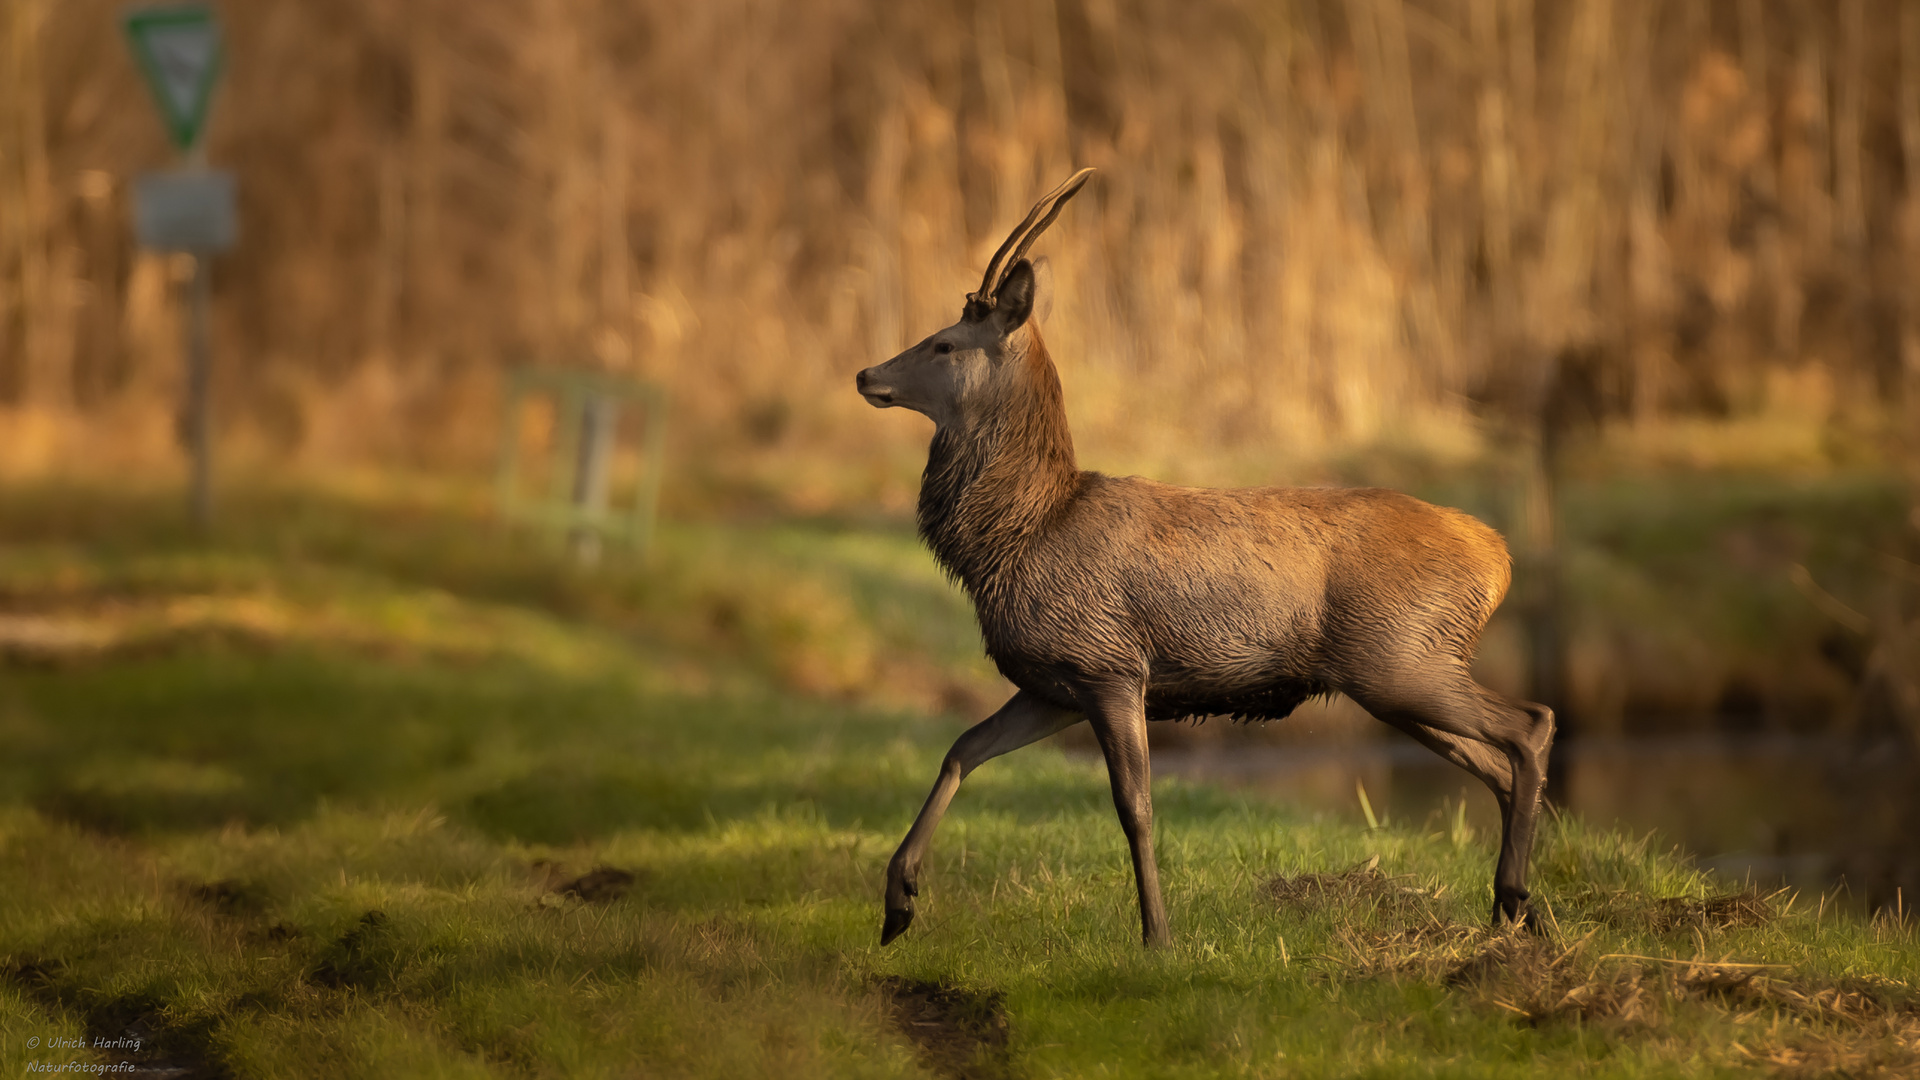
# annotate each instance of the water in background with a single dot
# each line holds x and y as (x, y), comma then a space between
(1806, 811)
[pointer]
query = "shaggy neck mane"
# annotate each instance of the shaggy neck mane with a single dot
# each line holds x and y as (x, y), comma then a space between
(995, 479)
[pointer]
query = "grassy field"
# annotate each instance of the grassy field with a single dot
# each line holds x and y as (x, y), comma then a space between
(363, 787)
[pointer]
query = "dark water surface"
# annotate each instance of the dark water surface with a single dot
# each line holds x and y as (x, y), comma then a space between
(1776, 809)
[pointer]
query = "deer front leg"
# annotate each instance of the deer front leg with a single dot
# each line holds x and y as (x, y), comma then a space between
(1023, 719)
(1120, 722)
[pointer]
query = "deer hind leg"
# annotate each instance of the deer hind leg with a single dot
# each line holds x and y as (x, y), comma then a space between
(1529, 785)
(1022, 720)
(1504, 743)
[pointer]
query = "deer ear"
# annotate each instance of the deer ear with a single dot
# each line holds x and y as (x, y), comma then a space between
(1042, 290)
(1013, 302)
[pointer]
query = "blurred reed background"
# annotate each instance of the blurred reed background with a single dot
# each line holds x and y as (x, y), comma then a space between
(1507, 239)
(1319, 224)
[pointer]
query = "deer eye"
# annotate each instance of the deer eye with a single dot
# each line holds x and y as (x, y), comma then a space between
(943, 347)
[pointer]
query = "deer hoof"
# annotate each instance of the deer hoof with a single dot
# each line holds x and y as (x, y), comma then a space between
(1530, 919)
(898, 919)
(1516, 909)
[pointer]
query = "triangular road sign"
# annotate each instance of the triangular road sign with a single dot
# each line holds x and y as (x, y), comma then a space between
(179, 52)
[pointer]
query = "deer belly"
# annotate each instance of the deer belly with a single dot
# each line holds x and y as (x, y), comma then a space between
(1274, 701)
(1178, 692)
(1243, 688)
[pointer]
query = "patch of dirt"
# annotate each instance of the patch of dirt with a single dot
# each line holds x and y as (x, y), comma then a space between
(234, 899)
(961, 1034)
(1719, 912)
(1800, 1026)
(139, 1033)
(1881, 1048)
(350, 963)
(280, 933)
(1538, 982)
(1664, 915)
(1430, 948)
(1398, 896)
(1842, 1028)
(1856, 1003)
(601, 885)
(39, 977)
(133, 1031)
(1419, 939)
(1806, 1027)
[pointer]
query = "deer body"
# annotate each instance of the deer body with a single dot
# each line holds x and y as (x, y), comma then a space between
(1120, 600)
(1241, 603)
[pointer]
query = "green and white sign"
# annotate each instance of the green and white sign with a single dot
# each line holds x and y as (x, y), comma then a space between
(179, 51)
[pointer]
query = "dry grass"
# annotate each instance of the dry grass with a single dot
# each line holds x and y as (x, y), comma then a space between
(1318, 223)
(1360, 885)
(1623, 910)
(1802, 1024)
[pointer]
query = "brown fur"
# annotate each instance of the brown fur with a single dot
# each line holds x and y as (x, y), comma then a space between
(1241, 603)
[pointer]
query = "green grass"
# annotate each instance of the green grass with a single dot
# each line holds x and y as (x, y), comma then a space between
(302, 801)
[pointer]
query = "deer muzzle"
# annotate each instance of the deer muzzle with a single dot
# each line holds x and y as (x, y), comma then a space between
(874, 388)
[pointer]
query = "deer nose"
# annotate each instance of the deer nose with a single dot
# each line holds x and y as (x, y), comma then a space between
(872, 388)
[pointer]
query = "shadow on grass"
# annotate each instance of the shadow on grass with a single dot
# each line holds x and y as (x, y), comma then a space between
(265, 739)
(558, 805)
(134, 1032)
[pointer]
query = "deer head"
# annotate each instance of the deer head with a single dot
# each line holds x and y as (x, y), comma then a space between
(953, 372)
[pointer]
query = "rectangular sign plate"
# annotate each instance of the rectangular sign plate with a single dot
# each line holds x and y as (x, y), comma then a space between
(185, 211)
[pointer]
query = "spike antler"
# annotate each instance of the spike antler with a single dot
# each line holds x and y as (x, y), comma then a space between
(1029, 230)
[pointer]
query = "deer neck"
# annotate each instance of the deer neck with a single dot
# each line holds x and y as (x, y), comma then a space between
(999, 475)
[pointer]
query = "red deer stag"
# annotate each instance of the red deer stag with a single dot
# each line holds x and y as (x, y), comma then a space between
(1120, 600)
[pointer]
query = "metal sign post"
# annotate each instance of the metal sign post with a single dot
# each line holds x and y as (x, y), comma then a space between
(189, 208)
(574, 493)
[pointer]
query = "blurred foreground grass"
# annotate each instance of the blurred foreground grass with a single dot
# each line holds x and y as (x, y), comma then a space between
(363, 788)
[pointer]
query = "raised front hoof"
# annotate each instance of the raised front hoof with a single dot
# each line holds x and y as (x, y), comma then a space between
(898, 919)
(1508, 910)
